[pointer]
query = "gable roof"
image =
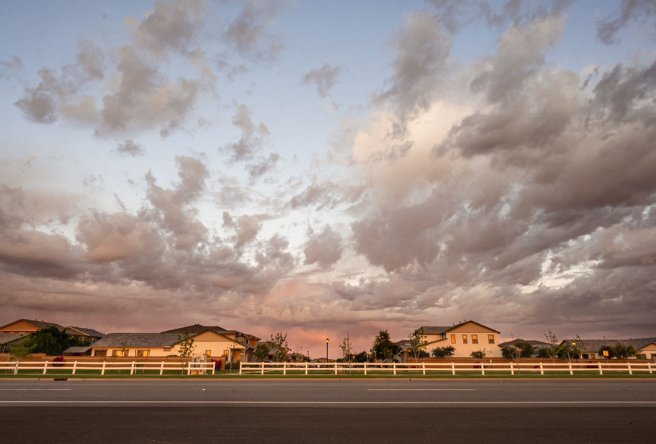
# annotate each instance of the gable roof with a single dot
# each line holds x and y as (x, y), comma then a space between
(37, 324)
(137, 340)
(6, 338)
(596, 344)
(88, 331)
(196, 329)
(439, 330)
(534, 343)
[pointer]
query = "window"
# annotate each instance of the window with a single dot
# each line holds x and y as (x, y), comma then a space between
(208, 353)
(464, 339)
(490, 339)
(474, 339)
(143, 353)
(100, 353)
(167, 349)
(120, 353)
(453, 339)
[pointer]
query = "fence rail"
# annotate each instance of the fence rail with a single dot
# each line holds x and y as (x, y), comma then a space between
(105, 367)
(453, 368)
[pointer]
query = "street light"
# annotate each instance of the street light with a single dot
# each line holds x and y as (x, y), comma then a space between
(327, 341)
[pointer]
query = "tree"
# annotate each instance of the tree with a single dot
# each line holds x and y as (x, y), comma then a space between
(480, 354)
(261, 351)
(50, 341)
(278, 343)
(125, 348)
(361, 357)
(553, 350)
(20, 351)
(443, 352)
(623, 351)
(418, 343)
(384, 347)
(346, 348)
(610, 349)
(526, 349)
(513, 353)
(579, 347)
(186, 347)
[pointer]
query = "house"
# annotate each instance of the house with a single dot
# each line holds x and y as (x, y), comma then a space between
(8, 340)
(77, 351)
(208, 341)
(86, 335)
(646, 347)
(537, 345)
(27, 326)
(466, 337)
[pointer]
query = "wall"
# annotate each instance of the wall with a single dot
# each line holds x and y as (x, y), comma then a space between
(465, 350)
(19, 327)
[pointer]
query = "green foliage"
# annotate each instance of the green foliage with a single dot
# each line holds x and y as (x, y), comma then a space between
(298, 357)
(444, 352)
(186, 346)
(610, 349)
(383, 346)
(479, 354)
(418, 343)
(278, 343)
(553, 350)
(49, 340)
(261, 351)
(526, 349)
(20, 351)
(623, 351)
(361, 357)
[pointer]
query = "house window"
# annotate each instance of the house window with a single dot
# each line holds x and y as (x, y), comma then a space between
(474, 339)
(119, 353)
(208, 353)
(464, 339)
(100, 353)
(453, 339)
(167, 349)
(143, 353)
(490, 339)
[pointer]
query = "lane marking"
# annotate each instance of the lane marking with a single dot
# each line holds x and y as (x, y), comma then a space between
(344, 402)
(421, 390)
(35, 390)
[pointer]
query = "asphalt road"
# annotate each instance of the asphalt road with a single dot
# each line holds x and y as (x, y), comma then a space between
(286, 411)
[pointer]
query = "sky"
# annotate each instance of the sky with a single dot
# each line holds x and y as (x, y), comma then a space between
(324, 167)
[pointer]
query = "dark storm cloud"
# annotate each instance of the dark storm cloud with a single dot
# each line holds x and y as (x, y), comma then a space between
(632, 11)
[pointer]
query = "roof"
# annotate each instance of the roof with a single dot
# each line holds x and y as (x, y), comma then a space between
(196, 329)
(596, 344)
(137, 340)
(435, 330)
(534, 343)
(89, 332)
(77, 350)
(405, 344)
(6, 338)
(38, 324)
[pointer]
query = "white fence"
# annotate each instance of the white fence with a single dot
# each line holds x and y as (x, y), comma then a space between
(452, 368)
(106, 367)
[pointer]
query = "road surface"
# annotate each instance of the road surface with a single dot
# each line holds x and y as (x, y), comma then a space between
(335, 411)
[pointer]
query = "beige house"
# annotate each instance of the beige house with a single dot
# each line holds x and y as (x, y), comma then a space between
(466, 337)
(646, 347)
(27, 326)
(87, 335)
(209, 341)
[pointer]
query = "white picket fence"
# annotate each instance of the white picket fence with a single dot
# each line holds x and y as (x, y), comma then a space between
(67, 367)
(453, 368)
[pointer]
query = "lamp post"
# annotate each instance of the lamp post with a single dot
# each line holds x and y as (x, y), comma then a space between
(327, 341)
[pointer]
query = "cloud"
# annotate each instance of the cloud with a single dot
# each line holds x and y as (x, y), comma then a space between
(422, 50)
(323, 78)
(130, 148)
(632, 11)
(263, 166)
(249, 35)
(171, 26)
(10, 67)
(323, 249)
(252, 137)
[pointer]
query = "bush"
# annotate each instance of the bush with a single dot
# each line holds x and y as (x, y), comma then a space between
(480, 354)
(443, 352)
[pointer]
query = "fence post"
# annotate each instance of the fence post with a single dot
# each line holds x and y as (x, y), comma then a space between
(571, 372)
(482, 369)
(365, 369)
(601, 372)
(161, 368)
(262, 366)
(541, 369)
(45, 367)
(394, 366)
(423, 368)
(649, 367)
(335, 367)
(306, 367)
(284, 368)
(132, 368)
(453, 368)
(16, 368)
(628, 364)
(103, 368)
(74, 367)
(189, 368)
(214, 368)
(512, 368)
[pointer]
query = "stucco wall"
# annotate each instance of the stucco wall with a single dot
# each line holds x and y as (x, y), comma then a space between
(19, 327)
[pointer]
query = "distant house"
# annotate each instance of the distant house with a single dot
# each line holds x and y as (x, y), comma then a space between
(465, 337)
(208, 341)
(27, 326)
(537, 345)
(646, 347)
(86, 335)
(8, 340)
